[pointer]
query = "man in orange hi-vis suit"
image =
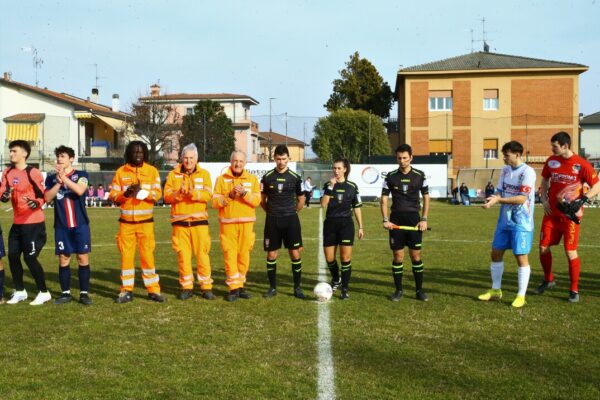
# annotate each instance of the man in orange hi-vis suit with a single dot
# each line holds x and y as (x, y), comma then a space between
(136, 187)
(236, 196)
(188, 190)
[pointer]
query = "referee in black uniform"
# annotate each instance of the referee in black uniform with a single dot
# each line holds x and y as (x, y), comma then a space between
(405, 225)
(282, 199)
(340, 196)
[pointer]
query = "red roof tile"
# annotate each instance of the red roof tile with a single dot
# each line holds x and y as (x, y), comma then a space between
(25, 118)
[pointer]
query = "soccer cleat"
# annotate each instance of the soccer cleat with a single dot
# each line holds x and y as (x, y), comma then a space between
(41, 298)
(64, 298)
(299, 294)
(421, 296)
(397, 295)
(17, 296)
(186, 294)
(492, 294)
(573, 297)
(272, 292)
(545, 286)
(157, 297)
(344, 295)
(232, 296)
(208, 295)
(84, 299)
(519, 302)
(124, 297)
(335, 284)
(243, 294)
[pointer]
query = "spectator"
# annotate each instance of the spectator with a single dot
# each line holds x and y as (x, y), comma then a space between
(489, 189)
(99, 195)
(90, 196)
(464, 194)
(307, 188)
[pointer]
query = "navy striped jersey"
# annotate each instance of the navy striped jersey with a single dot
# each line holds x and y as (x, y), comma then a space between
(405, 189)
(343, 198)
(69, 208)
(282, 190)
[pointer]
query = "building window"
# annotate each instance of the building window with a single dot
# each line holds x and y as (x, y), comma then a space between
(440, 100)
(490, 149)
(440, 147)
(490, 100)
(189, 111)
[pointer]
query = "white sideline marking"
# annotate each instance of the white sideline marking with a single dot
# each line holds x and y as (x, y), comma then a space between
(326, 378)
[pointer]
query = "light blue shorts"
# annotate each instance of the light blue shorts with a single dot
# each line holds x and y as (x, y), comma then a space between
(518, 241)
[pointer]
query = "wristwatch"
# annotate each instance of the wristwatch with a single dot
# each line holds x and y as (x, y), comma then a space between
(385, 219)
(424, 219)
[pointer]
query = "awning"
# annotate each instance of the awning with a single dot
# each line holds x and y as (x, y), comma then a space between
(20, 131)
(116, 124)
(82, 115)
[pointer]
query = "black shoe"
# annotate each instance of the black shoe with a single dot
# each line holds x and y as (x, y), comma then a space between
(124, 297)
(208, 295)
(272, 292)
(397, 295)
(299, 294)
(233, 295)
(546, 285)
(243, 294)
(335, 284)
(186, 294)
(64, 298)
(344, 295)
(573, 297)
(422, 296)
(84, 299)
(157, 297)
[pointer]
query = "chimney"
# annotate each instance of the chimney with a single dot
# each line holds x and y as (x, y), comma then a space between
(155, 90)
(7, 76)
(94, 98)
(116, 103)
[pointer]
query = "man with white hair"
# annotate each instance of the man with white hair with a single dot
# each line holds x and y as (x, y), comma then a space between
(236, 196)
(188, 190)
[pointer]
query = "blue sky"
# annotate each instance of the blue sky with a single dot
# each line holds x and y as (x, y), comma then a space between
(289, 50)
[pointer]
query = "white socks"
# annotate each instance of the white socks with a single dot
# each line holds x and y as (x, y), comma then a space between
(523, 274)
(497, 269)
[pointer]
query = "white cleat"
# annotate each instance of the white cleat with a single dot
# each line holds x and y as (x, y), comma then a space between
(41, 298)
(17, 296)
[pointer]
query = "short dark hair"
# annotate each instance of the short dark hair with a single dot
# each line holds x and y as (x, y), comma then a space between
(281, 150)
(404, 148)
(346, 165)
(62, 149)
(129, 150)
(513, 146)
(562, 138)
(22, 144)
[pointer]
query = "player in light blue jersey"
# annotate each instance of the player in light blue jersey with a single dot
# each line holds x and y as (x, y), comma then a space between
(516, 195)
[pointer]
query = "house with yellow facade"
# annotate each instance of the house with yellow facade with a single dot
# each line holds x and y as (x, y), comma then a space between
(269, 140)
(467, 107)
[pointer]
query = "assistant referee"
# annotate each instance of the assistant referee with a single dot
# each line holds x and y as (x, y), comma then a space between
(282, 198)
(405, 225)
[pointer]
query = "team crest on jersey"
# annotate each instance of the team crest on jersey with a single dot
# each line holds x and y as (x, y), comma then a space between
(576, 168)
(280, 187)
(74, 177)
(553, 164)
(60, 195)
(340, 197)
(15, 181)
(404, 189)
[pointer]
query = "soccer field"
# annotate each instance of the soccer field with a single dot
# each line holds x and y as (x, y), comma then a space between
(453, 346)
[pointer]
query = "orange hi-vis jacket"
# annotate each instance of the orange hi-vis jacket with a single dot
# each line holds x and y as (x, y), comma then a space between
(232, 211)
(134, 210)
(191, 208)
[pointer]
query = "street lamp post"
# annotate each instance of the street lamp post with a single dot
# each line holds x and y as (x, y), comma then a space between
(270, 140)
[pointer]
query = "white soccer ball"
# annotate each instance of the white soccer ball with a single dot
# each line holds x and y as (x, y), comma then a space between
(323, 291)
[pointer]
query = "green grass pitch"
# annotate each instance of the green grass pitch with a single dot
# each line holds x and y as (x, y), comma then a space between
(454, 346)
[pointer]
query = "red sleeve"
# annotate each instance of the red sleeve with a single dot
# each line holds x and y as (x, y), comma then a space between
(546, 170)
(588, 173)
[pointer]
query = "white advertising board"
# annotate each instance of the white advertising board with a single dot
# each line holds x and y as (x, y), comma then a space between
(258, 169)
(369, 178)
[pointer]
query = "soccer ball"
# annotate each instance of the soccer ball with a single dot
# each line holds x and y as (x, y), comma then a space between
(323, 291)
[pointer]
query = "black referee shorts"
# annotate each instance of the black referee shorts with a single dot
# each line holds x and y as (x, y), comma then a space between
(401, 238)
(284, 229)
(338, 232)
(27, 238)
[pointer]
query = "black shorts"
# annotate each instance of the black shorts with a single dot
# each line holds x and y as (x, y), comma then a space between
(27, 238)
(338, 232)
(400, 238)
(286, 229)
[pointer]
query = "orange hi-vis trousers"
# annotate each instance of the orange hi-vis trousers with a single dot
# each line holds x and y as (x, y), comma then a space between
(237, 241)
(188, 241)
(128, 237)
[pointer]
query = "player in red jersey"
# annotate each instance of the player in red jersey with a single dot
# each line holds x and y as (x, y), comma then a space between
(563, 177)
